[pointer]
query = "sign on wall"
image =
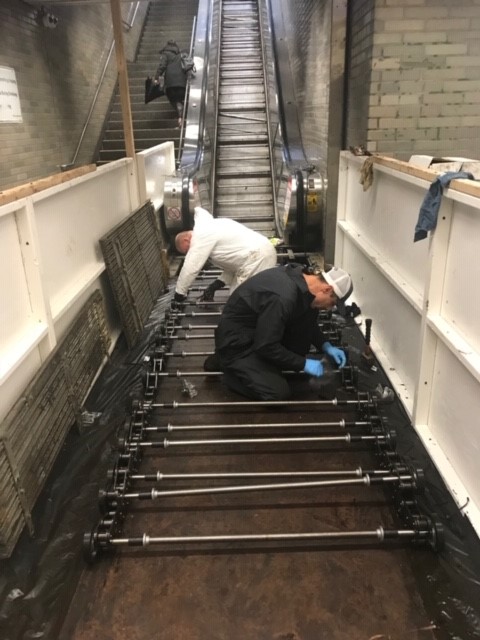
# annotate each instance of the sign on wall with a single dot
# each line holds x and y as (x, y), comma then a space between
(10, 110)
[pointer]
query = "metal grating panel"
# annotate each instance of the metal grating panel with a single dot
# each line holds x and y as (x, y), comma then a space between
(35, 428)
(133, 257)
(84, 348)
(36, 424)
(11, 512)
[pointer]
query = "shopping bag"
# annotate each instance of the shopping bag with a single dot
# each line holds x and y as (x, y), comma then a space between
(153, 90)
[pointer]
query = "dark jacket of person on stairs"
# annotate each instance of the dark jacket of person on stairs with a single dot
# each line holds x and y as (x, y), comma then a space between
(170, 66)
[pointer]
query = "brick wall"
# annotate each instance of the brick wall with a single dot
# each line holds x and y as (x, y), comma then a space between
(359, 39)
(424, 84)
(413, 75)
(57, 73)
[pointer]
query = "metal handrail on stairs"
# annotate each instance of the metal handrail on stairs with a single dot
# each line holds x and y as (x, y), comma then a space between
(129, 24)
(187, 95)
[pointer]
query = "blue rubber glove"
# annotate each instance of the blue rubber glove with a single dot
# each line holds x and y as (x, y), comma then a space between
(313, 367)
(337, 355)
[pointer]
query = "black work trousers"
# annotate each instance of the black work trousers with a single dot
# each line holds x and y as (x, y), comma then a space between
(255, 378)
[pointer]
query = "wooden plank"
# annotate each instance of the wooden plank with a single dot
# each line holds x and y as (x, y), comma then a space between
(28, 189)
(470, 187)
(123, 78)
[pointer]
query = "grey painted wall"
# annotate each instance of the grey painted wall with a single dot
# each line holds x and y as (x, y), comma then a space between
(57, 73)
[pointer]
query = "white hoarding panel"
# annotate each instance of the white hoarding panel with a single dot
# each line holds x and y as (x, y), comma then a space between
(461, 298)
(454, 422)
(71, 220)
(424, 299)
(395, 326)
(387, 214)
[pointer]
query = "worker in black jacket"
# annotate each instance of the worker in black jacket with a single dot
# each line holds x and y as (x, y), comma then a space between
(269, 324)
(170, 66)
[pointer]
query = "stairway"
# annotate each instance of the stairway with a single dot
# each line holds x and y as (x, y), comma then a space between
(244, 188)
(155, 122)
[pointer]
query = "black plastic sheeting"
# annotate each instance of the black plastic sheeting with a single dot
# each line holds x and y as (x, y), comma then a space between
(38, 582)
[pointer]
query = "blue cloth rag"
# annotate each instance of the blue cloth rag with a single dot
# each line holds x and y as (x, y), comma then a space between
(427, 217)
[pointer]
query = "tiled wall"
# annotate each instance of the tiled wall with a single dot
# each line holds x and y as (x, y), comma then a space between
(57, 72)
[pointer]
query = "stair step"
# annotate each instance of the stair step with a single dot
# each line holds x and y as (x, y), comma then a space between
(243, 173)
(238, 152)
(247, 104)
(249, 166)
(265, 226)
(141, 134)
(241, 65)
(140, 145)
(156, 109)
(232, 81)
(248, 172)
(231, 185)
(228, 135)
(242, 118)
(236, 90)
(241, 138)
(115, 154)
(263, 209)
(234, 74)
(251, 204)
(239, 216)
(153, 108)
(118, 126)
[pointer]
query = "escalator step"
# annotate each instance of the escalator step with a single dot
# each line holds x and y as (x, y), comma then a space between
(230, 186)
(243, 119)
(252, 204)
(235, 153)
(243, 172)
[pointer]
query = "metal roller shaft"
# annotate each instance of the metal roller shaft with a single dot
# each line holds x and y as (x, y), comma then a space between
(183, 374)
(379, 534)
(187, 336)
(348, 438)
(348, 482)
(268, 425)
(192, 314)
(186, 374)
(186, 354)
(202, 303)
(189, 327)
(261, 403)
(159, 477)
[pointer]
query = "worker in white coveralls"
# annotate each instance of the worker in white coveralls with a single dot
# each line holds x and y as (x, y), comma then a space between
(239, 251)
